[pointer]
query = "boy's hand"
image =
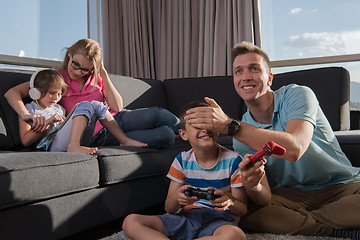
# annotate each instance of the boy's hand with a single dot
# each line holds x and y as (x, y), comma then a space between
(185, 200)
(223, 202)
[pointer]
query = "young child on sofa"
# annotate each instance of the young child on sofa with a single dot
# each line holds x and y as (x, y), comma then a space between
(207, 166)
(64, 134)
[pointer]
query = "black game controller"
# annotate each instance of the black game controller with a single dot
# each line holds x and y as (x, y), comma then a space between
(268, 149)
(201, 194)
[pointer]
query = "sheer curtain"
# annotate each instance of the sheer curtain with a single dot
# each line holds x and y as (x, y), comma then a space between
(163, 39)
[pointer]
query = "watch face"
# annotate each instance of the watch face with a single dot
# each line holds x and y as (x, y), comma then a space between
(233, 128)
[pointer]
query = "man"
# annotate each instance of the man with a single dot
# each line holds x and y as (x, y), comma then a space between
(317, 191)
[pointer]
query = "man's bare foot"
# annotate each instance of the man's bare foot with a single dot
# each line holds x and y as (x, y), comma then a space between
(132, 142)
(81, 149)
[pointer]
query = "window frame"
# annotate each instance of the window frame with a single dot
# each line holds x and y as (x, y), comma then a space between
(315, 60)
(29, 62)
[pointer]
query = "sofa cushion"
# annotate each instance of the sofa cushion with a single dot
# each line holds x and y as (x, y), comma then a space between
(182, 91)
(139, 93)
(332, 88)
(10, 139)
(27, 177)
(119, 164)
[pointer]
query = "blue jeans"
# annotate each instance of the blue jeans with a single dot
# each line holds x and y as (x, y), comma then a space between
(155, 126)
(58, 139)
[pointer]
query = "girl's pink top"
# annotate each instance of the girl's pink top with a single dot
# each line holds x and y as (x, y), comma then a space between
(73, 95)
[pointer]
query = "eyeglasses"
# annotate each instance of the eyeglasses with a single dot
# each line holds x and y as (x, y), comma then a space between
(76, 66)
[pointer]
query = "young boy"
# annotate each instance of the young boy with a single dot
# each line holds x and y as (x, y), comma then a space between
(207, 166)
(46, 89)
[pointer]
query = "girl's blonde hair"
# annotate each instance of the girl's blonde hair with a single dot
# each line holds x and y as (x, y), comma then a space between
(88, 48)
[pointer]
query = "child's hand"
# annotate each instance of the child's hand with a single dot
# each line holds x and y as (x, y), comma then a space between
(185, 200)
(55, 118)
(223, 202)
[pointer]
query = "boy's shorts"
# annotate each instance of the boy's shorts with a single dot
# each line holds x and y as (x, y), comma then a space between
(194, 223)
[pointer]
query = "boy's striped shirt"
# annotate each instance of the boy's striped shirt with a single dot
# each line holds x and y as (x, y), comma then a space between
(223, 175)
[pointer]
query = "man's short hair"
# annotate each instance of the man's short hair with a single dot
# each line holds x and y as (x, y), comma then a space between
(193, 104)
(248, 47)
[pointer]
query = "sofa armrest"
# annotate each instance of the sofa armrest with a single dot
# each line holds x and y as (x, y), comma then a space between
(350, 144)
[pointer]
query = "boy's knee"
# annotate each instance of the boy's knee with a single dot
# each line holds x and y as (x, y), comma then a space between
(128, 223)
(237, 233)
(230, 232)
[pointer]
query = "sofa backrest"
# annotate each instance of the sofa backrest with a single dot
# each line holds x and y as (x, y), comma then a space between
(182, 91)
(9, 135)
(140, 93)
(331, 86)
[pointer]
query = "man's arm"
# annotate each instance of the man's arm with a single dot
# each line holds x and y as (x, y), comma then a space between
(295, 139)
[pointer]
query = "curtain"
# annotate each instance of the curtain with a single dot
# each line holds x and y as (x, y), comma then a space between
(163, 39)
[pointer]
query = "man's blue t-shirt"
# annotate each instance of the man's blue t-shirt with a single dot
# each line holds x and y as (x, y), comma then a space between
(323, 164)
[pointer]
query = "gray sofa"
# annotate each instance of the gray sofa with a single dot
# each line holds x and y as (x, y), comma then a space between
(52, 195)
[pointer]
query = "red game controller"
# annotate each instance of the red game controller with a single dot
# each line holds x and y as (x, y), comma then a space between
(268, 149)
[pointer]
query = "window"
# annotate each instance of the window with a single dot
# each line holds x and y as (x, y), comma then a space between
(41, 29)
(322, 31)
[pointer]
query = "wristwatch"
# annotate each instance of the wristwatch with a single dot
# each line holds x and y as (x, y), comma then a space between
(233, 127)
